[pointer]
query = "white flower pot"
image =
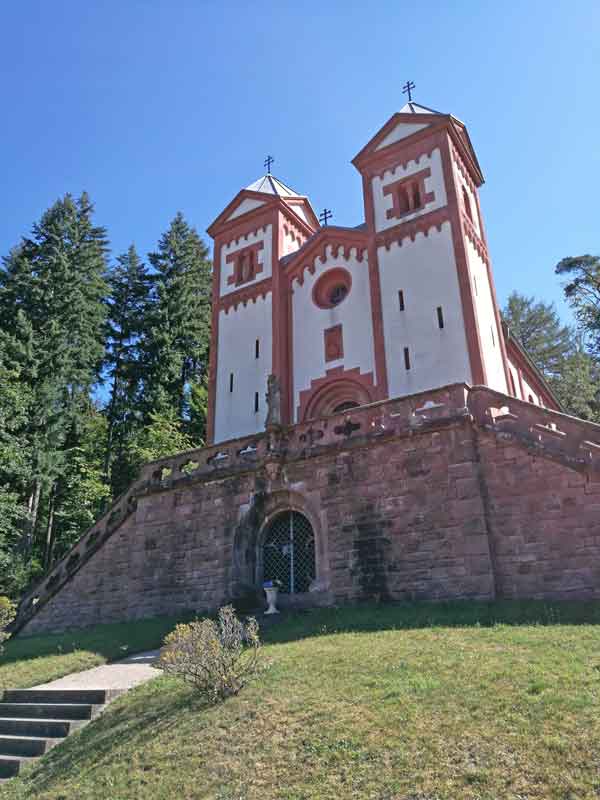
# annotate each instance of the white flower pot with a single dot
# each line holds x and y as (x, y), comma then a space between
(271, 600)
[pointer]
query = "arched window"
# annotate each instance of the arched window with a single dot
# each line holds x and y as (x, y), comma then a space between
(345, 406)
(289, 553)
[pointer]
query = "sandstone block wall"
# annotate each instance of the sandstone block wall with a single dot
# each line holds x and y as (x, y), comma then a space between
(457, 493)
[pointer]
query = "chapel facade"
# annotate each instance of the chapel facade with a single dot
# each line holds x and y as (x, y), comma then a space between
(411, 450)
(346, 316)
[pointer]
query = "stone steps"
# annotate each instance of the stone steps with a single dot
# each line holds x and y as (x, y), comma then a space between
(34, 720)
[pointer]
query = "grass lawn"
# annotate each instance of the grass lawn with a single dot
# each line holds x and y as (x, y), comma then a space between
(31, 660)
(375, 703)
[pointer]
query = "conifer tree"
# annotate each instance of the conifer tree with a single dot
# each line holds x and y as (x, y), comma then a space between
(55, 282)
(177, 340)
(128, 307)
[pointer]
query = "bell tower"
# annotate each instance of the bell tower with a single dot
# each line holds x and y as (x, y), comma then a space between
(439, 316)
(250, 317)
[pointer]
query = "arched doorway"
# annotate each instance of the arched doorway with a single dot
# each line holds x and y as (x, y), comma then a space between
(288, 553)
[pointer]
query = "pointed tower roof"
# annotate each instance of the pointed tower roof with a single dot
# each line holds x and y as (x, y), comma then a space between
(269, 184)
(415, 108)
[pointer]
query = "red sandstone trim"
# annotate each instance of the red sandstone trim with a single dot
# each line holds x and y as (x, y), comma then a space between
(342, 242)
(333, 343)
(409, 230)
(381, 374)
(245, 259)
(337, 386)
(336, 276)
(414, 186)
(245, 295)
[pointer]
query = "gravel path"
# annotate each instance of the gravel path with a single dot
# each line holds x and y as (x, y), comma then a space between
(119, 675)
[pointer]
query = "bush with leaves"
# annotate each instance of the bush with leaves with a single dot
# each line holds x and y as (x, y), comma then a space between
(7, 614)
(216, 656)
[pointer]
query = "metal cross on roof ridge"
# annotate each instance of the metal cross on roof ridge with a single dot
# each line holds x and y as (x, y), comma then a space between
(267, 163)
(324, 216)
(406, 89)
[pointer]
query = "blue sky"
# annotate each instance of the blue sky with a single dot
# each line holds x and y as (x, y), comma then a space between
(164, 105)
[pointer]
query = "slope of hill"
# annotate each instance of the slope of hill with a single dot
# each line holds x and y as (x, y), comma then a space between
(381, 703)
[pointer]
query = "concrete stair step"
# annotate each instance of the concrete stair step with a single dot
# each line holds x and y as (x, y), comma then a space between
(85, 696)
(41, 728)
(10, 765)
(48, 710)
(25, 745)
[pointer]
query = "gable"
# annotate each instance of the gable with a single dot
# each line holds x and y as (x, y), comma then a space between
(401, 131)
(247, 204)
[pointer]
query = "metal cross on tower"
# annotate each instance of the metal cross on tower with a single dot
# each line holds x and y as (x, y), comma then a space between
(406, 89)
(324, 216)
(268, 161)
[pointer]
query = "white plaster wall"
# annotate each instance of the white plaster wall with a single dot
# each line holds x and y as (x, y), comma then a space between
(238, 331)
(435, 183)
(298, 209)
(246, 205)
(401, 131)
(291, 243)
(425, 271)
(264, 257)
(310, 322)
(486, 318)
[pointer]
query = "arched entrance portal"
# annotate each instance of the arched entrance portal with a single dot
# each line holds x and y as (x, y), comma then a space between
(288, 552)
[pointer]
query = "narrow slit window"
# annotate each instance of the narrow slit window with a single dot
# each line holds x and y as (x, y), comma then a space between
(257, 349)
(406, 358)
(440, 316)
(255, 402)
(475, 283)
(493, 337)
(401, 300)
(231, 381)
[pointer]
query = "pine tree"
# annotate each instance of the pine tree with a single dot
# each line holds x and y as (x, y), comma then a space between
(538, 327)
(177, 341)
(128, 306)
(582, 292)
(56, 282)
(578, 388)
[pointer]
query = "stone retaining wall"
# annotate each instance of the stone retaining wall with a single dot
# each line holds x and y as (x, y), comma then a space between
(455, 493)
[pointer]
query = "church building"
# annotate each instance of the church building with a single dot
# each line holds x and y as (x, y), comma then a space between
(346, 316)
(375, 431)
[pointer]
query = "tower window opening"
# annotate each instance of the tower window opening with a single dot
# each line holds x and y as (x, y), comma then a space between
(231, 381)
(512, 384)
(255, 402)
(467, 204)
(406, 358)
(403, 200)
(416, 196)
(401, 300)
(440, 317)
(337, 294)
(475, 284)
(257, 349)
(493, 337)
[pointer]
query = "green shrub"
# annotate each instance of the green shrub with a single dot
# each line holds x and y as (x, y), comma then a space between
(216, 657)
(7, 614)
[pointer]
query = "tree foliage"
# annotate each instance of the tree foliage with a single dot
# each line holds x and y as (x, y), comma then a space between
(70, 323)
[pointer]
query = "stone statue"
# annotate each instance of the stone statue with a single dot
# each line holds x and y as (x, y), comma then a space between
(273, 397)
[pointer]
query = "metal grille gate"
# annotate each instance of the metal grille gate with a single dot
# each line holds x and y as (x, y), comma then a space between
(289, 553)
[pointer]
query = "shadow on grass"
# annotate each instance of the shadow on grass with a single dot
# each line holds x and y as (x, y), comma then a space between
(371, 617)
(128, 725)
(114, 641)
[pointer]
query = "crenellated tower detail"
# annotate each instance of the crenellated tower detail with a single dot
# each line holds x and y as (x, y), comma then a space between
(347, 316)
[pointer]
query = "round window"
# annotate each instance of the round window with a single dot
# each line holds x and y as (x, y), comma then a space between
(332, 288)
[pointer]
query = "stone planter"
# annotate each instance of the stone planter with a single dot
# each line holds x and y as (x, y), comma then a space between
(271, 592)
